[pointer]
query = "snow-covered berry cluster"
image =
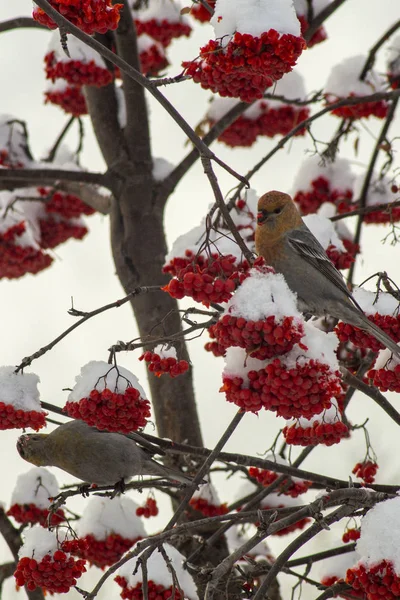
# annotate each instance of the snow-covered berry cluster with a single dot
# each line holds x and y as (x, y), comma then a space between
(19, 251)
(267, 117)
(108, 398)
(292, 486)
(251, 50)
(63, 204)
(163, 361)
(91, 16)
(161, 19)
(344, 82)
(154, 590)
(326, 428)
(393, 63)
(206, 501)
(366, 471)
(351, 535)
(152, 55)
(381, 191)
(302, 8)
(31, 498)
(150, 509)
(19, 404)
(375, 581)
(199, 12)
(42, 564)
(388, 378)
(14, 148)
(68, 97)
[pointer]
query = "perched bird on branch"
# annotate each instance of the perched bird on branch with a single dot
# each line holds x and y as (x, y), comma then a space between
(288, 246)
(91, 455)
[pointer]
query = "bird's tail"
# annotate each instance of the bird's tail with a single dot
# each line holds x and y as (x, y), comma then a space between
(155, 468)
(364, 323)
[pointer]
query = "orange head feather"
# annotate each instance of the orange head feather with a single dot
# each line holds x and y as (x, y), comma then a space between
(276, 214)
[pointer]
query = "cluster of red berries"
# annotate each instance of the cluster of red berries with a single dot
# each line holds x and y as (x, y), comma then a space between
(288, 487)
(163, 31)
(164, 366)
(319, 433)
(30, 513)
(394, 80)
(261, 339)
(152, 61)
(247, 65)
(351, 535)
(6, 161)
(377, 109)
(303, 391)
(201, 286)
(150, 509)
(56, 230)
(16, 260)
(200, 13)
(154, 590)
(102, 553)
(111, 411)
(290, 528)
(388, 323)
(242, 132)
(386, 379)
(56, 574)
(343, 260)
(332, 579)
(91, 16)
(214, 347)
(319, 36)
(67, 205)
(70, 99)
(12, 418)
(76, 72)
(375, 582)
(321, 191)
(214, 264)
(207, 509)
(383, 217)
(366, 471)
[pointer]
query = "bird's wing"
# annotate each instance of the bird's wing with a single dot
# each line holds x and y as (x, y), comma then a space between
(304, 243)
(150, 448)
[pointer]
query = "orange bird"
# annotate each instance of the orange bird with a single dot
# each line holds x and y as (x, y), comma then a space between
(287, 245)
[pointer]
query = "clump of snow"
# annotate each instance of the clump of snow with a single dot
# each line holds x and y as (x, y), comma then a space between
(157, 571)
(105, 516)
(161, 168)
(35, 486)
(338, 173)
(59, 85)
(320, 347)
(219, 107)
(337, 566)
(208, 493)
(329, 415)
(13, 139)
(328, 210)
(19, 389)
(254, 17)
(380, 534)
(99, 375)
(291, 86)
(344, 79)
(238, 363)
(371, 302)
(121, 114)
(324, 230)
(386, 360)
(164, 351)
(236, 537)
(263, 295)
(275, 500)
(301, 7)
(78, 51)
(13, 212)
(38, 542)
(379, 190)
(160, 10)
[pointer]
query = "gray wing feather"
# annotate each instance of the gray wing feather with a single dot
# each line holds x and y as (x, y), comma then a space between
(304, 243)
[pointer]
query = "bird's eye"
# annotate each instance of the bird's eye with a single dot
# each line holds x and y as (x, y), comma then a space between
(278, 211)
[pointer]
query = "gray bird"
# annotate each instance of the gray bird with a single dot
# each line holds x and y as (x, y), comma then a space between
(92, 455)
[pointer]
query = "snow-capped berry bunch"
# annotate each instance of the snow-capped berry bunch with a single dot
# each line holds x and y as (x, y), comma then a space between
(42, 564)
(380, 191)
(55, 230)
(377, 573)
(108, 398)
(381, 309)
(334, 571)
(351, 535)
(293, 486)
(152, 55)
(162, 585)
(68, 97)
(14, 150)
(66, 205)
(344, 82)
(318, 182)
(385, 373)
(267, 117)
(366, 470)
(326, 428)
(261, 317)
(255, 44)
(205, 500)
(83, 66)
(199, 12)
(19, 400)
(91, 16)
(31, 498)
(150, 508)
(162, 20)
(108, 527)
(163, 361)
(393, 63)
(302, 11)
(298, 384)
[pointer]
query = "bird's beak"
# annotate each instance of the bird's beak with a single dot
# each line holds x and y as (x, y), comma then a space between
(260, 217)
